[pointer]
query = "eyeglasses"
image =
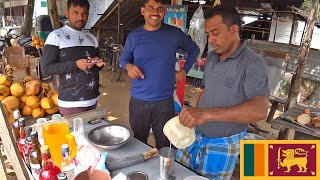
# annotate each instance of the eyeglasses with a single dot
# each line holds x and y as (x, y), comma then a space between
(152, 9)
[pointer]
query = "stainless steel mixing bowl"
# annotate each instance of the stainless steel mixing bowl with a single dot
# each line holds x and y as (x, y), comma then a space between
(110, 136)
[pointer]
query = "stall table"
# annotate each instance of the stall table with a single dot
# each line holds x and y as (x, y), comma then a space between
(133, 147)
(307, 133)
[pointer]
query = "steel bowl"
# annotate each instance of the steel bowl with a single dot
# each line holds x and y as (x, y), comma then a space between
(110, 136)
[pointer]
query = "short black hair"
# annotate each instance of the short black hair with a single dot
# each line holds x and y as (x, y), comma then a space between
(229, 14)
(81, 3)
(158, 1)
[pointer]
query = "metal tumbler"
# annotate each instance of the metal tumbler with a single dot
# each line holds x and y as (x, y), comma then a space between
(166, 160)
(137, 175)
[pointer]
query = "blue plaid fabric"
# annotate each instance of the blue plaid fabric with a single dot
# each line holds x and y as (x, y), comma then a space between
(213, 158)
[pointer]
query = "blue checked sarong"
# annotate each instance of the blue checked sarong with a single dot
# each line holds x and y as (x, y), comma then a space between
(214, 158)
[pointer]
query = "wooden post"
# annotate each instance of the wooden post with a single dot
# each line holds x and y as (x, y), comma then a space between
(302, 57)
(292, 29)
(11, 148)
(27, 23)
(275, 29)
(53, 13)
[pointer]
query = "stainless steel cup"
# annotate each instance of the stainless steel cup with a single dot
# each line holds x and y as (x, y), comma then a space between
(137, 175)
(166, 161)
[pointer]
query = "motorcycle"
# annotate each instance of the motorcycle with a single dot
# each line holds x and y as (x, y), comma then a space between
(6, 41)
(30, 50)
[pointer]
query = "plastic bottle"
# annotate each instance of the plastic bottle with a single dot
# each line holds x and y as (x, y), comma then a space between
(67, 163)
(179, 135)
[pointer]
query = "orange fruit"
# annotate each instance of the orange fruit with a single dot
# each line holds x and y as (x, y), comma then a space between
(36, 42)
(34, 38)
(41, 43)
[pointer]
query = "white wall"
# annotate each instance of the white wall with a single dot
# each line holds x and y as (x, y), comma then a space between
(38, 10)
(284, 29)
(315, 36)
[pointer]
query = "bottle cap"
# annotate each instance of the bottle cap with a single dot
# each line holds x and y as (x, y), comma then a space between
(44, 149)
(28, 129)
(62, 176)
(16, 114)
(34, 134)
(22, 122)
(29, 139)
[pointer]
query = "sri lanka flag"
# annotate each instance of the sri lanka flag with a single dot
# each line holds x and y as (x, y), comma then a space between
(279, 159)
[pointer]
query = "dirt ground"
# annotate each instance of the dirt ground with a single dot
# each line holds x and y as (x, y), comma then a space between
(115, 98)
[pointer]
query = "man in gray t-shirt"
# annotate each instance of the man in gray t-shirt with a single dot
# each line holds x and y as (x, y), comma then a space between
(235, 95)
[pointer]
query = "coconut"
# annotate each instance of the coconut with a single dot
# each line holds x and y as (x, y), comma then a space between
(11, 102)
(304, 118)
(55, 98)
(5, 80)
(46, 103)
(27, 111)
(33, 101)
(23, 98)
(38, 112)
(4, 91)
(52, 110)
(17, 89)
(33, 87)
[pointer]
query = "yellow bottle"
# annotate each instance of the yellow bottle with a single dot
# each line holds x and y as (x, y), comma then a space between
(55, 135)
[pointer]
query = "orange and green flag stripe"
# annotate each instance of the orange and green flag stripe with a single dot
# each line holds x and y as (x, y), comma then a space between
(253, 160)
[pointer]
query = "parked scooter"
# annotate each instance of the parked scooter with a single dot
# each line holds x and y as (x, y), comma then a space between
(5, 41)
(26, 43)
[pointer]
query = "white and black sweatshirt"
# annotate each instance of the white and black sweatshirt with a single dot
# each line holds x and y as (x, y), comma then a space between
(63, 47)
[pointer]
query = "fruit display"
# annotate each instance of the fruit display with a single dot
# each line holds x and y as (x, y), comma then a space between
(31, 96)
(37, 42)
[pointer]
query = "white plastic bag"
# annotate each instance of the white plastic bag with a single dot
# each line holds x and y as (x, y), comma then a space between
(197, 31)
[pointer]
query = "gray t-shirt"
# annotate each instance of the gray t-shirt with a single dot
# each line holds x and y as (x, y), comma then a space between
(231, 82)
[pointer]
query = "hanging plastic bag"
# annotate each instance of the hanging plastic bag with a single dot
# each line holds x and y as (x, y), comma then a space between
(197, 31)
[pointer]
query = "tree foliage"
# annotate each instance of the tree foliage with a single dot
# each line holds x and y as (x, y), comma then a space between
(306, 6)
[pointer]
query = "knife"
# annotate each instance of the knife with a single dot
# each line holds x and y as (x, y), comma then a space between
(131, 160)
(291, 119)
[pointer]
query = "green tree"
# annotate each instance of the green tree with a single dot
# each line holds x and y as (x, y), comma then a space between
(306, 6)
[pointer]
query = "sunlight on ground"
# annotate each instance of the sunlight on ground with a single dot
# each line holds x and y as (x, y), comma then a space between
(111, 118)
(104, 94)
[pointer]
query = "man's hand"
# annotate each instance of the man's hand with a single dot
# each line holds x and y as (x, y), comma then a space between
(134, 72)
(83, 64)
(98, 61)
(180, 75)
(190, 117)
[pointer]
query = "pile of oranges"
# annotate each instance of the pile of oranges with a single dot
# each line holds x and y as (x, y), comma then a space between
(37, 42)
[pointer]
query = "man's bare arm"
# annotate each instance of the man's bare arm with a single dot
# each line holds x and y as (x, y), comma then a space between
(248, 112)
